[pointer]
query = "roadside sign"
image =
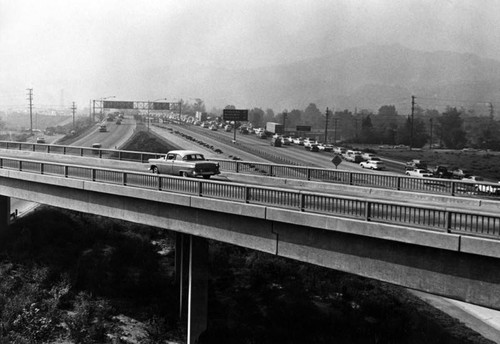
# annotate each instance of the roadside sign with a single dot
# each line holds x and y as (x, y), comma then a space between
(303, 128)
(235, 115)
(337, 160)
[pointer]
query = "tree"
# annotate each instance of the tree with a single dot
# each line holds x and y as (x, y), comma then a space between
(313, 117)
(199, 105)
(452, 133)
(269, 116)
(367, 132)
(256, 117)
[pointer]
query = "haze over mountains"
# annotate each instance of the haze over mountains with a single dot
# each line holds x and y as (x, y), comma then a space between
(364, 78)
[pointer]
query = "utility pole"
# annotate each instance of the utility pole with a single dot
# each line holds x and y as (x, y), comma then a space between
(73, 108)
(335, 120)
(326, 125)
(30, 98)
(93, 111)
(491, 110)
(412, 113)
(430, 144)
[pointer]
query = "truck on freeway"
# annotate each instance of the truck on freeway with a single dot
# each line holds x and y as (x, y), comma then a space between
(274, 128)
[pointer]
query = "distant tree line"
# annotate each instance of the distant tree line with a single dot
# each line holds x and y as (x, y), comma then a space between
(454, 128)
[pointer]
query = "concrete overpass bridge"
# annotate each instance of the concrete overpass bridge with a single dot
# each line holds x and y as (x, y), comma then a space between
(449, 249)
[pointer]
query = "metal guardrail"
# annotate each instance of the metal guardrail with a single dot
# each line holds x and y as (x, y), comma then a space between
(426, 217)
(393, 182)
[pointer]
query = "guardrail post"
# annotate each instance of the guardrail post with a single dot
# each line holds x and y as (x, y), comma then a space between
(368, 210)
(41, 168)
(271, 169)
(308, 174)
(159, 183)
(447, 223)
(200, 188)
(124, 178)
(237, 167)
(64, 150)
(119, 155)
(453, 188)
(81, 151)
(33, 147)
(302, 201)
(66, 171)
(20, 165)
(48, 148)
(100, 153)
(142, 157)
(398, 184)
(246, 194)
(94, 174)
(350, 178)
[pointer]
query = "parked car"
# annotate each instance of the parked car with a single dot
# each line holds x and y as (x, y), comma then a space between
(373, 165)
(40, 140)
(186, 163)
(419, 172)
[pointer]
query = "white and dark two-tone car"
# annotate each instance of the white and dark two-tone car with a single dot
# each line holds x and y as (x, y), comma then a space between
(186, 163)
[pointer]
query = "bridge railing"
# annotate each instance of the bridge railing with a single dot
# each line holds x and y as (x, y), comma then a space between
(425, 217)
(387, 181)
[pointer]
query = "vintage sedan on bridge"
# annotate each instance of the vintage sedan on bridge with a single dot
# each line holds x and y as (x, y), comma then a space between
(186, 163)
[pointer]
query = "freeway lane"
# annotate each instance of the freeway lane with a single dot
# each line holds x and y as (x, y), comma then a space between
(113, 138)
(116, 136)
(292, 153)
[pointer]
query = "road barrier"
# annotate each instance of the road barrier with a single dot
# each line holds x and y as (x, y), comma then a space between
(425, 217)
(442, 186)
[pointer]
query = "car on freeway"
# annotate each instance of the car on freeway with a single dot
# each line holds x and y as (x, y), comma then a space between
(419, 172)
(205, 125)
(353, 156)
(185, 163)
(103, 128)
(373, 164)
(40, 140)
(213, 127)
(368, 156)
(298, 141)
(308, 142)
(339, 150)
(276, 141)
(460, 173)
(96, 145)
(262, 134)
(313, 147)
(325, 147)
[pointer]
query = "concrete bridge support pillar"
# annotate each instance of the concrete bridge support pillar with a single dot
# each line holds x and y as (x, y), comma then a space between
(182, 272)
(192, 278)
(4, 212)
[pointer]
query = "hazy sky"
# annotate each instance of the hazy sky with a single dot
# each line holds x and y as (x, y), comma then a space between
(77, 45)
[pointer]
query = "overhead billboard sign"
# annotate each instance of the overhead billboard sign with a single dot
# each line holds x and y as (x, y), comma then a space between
(161, 106)
(107, 104)
(234, 115)
(303, 128)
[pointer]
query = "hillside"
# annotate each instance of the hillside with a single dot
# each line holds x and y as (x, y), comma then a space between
(363, 77)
